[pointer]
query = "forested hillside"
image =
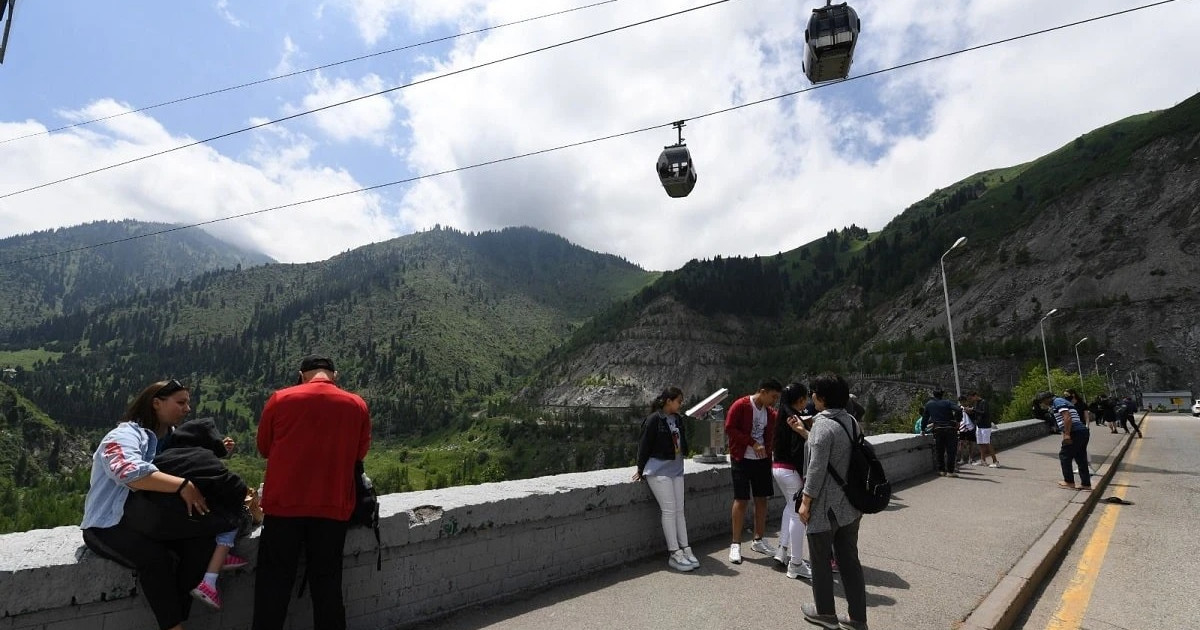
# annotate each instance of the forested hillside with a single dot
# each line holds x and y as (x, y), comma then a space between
(34, 285)
(1104, 229)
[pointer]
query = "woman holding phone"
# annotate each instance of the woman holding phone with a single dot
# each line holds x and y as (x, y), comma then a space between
(787, 468)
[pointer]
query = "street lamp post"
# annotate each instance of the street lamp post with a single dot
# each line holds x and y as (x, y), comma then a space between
(1078, 365)
(1108, 377)
(1045, 354)
(949, 323)
(1096, 363)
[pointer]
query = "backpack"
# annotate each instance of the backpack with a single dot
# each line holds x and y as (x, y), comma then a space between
(366, 509)
(866, 485)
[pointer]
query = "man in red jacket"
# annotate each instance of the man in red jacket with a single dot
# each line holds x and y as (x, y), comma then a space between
(311, 434)
(750, 427)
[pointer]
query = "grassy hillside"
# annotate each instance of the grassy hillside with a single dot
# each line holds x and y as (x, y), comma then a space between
(34, 289)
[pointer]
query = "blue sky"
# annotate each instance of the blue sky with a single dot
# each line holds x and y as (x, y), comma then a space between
(772, 177)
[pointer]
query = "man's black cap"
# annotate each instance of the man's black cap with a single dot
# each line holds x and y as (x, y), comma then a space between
(316, 362)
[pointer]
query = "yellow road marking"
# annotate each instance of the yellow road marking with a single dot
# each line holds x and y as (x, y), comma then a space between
(1078, 595)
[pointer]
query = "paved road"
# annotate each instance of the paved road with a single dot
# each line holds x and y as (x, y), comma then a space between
(1135, 567)
(941, 546)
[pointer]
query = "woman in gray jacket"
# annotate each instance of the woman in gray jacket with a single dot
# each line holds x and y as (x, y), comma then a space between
(830, 519)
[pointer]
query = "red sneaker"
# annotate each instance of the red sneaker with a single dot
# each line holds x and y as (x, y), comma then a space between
(207, 595)
(234, 562)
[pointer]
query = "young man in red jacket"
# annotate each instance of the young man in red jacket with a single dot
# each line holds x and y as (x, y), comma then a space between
(750, 427)
(311, 434)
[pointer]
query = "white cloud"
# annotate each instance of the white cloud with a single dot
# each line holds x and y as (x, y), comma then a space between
(188, 186)
(773, 176)
(287, 58)
(374, 18)
(227, 15)
(367, 120)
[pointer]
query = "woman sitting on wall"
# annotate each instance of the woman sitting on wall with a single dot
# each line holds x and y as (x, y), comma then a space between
(167, 565)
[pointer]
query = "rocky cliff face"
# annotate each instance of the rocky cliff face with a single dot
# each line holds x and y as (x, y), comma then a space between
(1118, 255)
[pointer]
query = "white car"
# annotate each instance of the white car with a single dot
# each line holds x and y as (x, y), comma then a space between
(1196, 409)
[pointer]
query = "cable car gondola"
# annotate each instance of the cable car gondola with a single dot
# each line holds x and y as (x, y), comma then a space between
(829, 42)
(675, 168)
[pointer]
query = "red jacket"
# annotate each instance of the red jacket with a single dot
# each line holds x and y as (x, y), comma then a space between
(311, 435)
(739, 421)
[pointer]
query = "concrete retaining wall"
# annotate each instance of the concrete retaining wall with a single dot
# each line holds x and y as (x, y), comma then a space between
(443, 549)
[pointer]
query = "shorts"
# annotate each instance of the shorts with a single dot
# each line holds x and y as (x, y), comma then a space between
(966, 436)
(983, 436)
(751, 476)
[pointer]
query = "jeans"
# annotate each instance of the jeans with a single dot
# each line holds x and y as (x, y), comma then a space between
(843, 541)
(279, 548)
(167, 571)
(945, 449)
(227, 539)
(1076, 452)
(791, 529)
(669, 493)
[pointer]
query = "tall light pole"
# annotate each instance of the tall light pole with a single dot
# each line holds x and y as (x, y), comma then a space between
(1046, 355)
(1078, 365)
(1108, 378)
(949, 323)
(1096, 363)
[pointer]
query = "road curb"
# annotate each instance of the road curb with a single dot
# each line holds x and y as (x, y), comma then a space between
(1000, 608)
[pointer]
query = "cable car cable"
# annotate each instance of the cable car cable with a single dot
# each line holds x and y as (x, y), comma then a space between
(306, 71)
(363, 97)
(614, 136)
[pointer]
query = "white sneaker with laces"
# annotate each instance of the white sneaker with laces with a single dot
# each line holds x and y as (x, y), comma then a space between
(763, 547)
(735, 553)
(797, 570)
(679, 562)
(781, 555)
(691, 557)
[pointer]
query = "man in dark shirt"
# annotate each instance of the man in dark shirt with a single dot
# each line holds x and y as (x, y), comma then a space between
(941, 418)
(983, 429)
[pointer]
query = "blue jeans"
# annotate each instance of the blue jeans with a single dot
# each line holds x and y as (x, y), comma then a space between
(1076, 452)
(227, 539)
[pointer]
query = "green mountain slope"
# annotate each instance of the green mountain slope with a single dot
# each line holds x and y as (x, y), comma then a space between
(35, 289)
(426, 327)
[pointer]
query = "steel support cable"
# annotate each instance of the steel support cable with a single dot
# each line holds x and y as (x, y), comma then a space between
(510, 158)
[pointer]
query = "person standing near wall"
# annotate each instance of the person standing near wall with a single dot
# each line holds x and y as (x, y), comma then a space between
(661, 451)
(1075, 436)
(788, 470)
(983, 429)
(750, 428)
(832, 522)
(312, 435)
(940, 420)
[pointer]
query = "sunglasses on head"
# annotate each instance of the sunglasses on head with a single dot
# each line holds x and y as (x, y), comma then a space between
(171, 387)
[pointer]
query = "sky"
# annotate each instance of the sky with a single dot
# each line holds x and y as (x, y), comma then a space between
(771, 177)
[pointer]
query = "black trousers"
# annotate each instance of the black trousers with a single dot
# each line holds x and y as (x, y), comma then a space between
(167, 571)
(843, 541)
(279, 546)
(945, 449)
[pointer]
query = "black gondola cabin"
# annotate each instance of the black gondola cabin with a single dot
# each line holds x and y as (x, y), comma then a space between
(829, 42)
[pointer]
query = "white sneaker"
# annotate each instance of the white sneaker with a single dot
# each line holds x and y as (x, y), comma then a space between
(679, 562)
(993, 465)
(735, 553)
(781, 555)
(763, 547)
(691, 557)
(797, 570)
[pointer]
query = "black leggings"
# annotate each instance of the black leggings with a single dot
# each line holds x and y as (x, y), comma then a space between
(167, 571)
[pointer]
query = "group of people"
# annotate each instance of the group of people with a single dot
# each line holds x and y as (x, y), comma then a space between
(793, 436)
(957, 429)
(162, 501)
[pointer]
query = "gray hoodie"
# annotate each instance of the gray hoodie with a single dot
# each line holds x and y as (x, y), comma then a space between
(828, 445)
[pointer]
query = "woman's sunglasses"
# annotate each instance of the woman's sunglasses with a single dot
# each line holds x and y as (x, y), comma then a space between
(171, 387)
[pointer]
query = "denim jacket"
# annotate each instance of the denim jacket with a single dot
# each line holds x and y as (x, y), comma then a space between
(124, 456)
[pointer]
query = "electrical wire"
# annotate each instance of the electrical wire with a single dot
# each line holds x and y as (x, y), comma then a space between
(240, 86)
(561, 147)
(364, 97)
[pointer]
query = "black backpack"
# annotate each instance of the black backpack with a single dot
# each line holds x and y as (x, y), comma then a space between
(866, 485)
(366, 509)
